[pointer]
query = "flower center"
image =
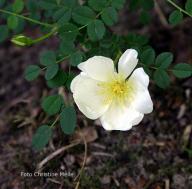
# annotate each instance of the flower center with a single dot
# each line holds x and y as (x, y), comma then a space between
(117, 90)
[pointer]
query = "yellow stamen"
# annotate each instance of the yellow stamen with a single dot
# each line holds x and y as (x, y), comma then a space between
(117, 90)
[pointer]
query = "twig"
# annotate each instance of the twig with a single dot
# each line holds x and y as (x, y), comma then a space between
(103, 154)
(54, 154)
(161, 15)
(54, 181)
(84, 161)
(167, 184)
(77, 185)
(62, 92)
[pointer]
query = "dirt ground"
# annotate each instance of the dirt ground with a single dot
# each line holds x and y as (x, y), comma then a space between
(156, 154)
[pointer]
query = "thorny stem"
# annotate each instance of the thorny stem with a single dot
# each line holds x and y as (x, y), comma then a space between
(178, 7)
(27, 18)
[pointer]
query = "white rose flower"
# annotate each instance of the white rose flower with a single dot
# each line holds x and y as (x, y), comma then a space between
(118, 98)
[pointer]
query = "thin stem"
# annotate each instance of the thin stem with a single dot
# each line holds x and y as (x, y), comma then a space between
(155, 68)
(63, 58)
(53, 124)
(80, 28)
(117, 57)
(152, 67)
(27, 18)
(58, 61)
(178, 7)
(45, 36)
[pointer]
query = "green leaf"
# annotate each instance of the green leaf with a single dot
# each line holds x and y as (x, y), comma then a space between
(164, 60)
(68, 32)
(62, 15)
(188, 6)
(51, 71)
(148, 56)
(70, 3)
(47, 58)
(189, 151)
(47, 4)
(96, 30)
(52, 104)
(97, 5)
(175, 17)
(76, 58)
(182, 70)
(118, 4)
(147, 5)
(20, 26)
(31, 5)
(106, 43)
(2, 2)
(41, 137)
(32, 72)
(109, 16)
(59, 80)
(12, 22)
(4, 32)
(18, 6)
(147, 70)
(145, 17)
(67, 48)
(161, 78)
(136, 40)
(71, 76)
(134, 4)
(83, 15)
(68, 120)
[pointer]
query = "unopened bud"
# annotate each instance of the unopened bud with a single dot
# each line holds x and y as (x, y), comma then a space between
(22, 40)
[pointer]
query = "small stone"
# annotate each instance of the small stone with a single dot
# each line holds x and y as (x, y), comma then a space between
(69, 160)
(105, 179)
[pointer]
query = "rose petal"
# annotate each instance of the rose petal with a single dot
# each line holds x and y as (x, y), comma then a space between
(127, 62)
(116, 118)
(142, 101)
(98, 67)
(86, 96)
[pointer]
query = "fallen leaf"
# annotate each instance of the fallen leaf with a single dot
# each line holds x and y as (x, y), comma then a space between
(89, 133)
(106, 179)
(186, 136)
